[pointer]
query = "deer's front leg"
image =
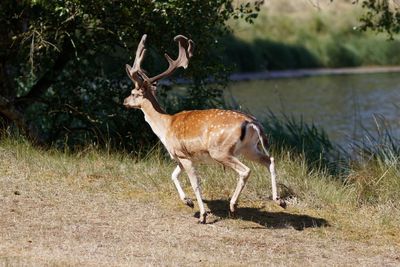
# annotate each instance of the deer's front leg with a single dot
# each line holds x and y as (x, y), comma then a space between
(182, 195)
(194, 181)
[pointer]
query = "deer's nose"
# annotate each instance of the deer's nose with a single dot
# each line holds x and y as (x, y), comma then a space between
(125, 102)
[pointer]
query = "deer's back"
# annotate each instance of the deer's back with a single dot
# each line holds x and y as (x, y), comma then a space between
(197, 133)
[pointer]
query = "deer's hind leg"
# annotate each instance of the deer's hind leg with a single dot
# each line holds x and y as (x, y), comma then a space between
(255, 155)
(244, 173)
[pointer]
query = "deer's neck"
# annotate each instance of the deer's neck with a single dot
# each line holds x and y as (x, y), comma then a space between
(157, 118)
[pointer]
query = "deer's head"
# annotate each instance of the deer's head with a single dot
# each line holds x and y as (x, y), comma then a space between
(145, 87)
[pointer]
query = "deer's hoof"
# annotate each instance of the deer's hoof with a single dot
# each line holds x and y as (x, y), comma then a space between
(189, 202)
(281, 203)
(232, 214)
(233, 208)
(202, 219)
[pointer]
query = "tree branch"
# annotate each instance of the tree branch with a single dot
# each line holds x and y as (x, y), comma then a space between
(50, 75)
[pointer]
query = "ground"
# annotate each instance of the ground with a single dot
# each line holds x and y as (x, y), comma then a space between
(50, 222)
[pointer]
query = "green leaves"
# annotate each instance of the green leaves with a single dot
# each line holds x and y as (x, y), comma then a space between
(247, 11)
(64, 61)
(382, 16)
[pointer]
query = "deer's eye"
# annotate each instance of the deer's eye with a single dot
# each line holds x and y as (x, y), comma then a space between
(135, 93)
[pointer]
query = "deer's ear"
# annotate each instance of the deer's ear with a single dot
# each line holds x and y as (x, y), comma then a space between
(153, 89)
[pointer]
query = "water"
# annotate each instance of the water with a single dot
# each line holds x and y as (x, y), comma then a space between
(342, 105)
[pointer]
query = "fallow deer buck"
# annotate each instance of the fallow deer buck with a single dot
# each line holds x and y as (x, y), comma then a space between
(197, 135)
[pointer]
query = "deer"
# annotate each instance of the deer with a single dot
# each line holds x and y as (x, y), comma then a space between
(193, 137)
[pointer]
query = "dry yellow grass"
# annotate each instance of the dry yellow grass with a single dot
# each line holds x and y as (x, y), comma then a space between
(101, 209)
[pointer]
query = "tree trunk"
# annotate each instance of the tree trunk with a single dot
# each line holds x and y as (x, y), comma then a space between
(13, 108)
(8, 111)
(13, 115)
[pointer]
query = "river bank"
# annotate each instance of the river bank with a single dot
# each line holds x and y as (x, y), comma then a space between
(300, 73)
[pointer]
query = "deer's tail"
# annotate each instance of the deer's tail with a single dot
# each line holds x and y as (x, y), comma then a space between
(261, 136)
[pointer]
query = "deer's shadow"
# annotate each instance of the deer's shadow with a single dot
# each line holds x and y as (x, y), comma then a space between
(266, 219)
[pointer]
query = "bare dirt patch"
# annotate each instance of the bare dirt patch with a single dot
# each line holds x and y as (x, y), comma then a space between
(56, 223)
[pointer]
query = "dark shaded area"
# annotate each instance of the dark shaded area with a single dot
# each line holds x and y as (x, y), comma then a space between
(341, 55)
(270, 220)
(266, 55)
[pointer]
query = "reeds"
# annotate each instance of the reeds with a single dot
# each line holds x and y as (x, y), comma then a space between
(305, 140)
(376, 168)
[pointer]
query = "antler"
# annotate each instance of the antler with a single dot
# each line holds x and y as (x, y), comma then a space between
(186, 47)
(136, 73)
(135, 70)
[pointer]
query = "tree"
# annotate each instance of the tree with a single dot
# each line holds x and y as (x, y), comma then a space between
(381, 16)
(61, 62)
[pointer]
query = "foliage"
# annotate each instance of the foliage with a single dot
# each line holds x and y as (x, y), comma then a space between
(382, 16)
(61, 62)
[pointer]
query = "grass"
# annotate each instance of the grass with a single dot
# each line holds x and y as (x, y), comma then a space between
(97, 207)
(308, 140)
(377, 169)
(372, 168)
(301, 35)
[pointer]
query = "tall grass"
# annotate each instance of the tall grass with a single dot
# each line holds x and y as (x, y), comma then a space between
(299, 35)
(372, 167)
(306, 140)
(376, 171)
(380, 144)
